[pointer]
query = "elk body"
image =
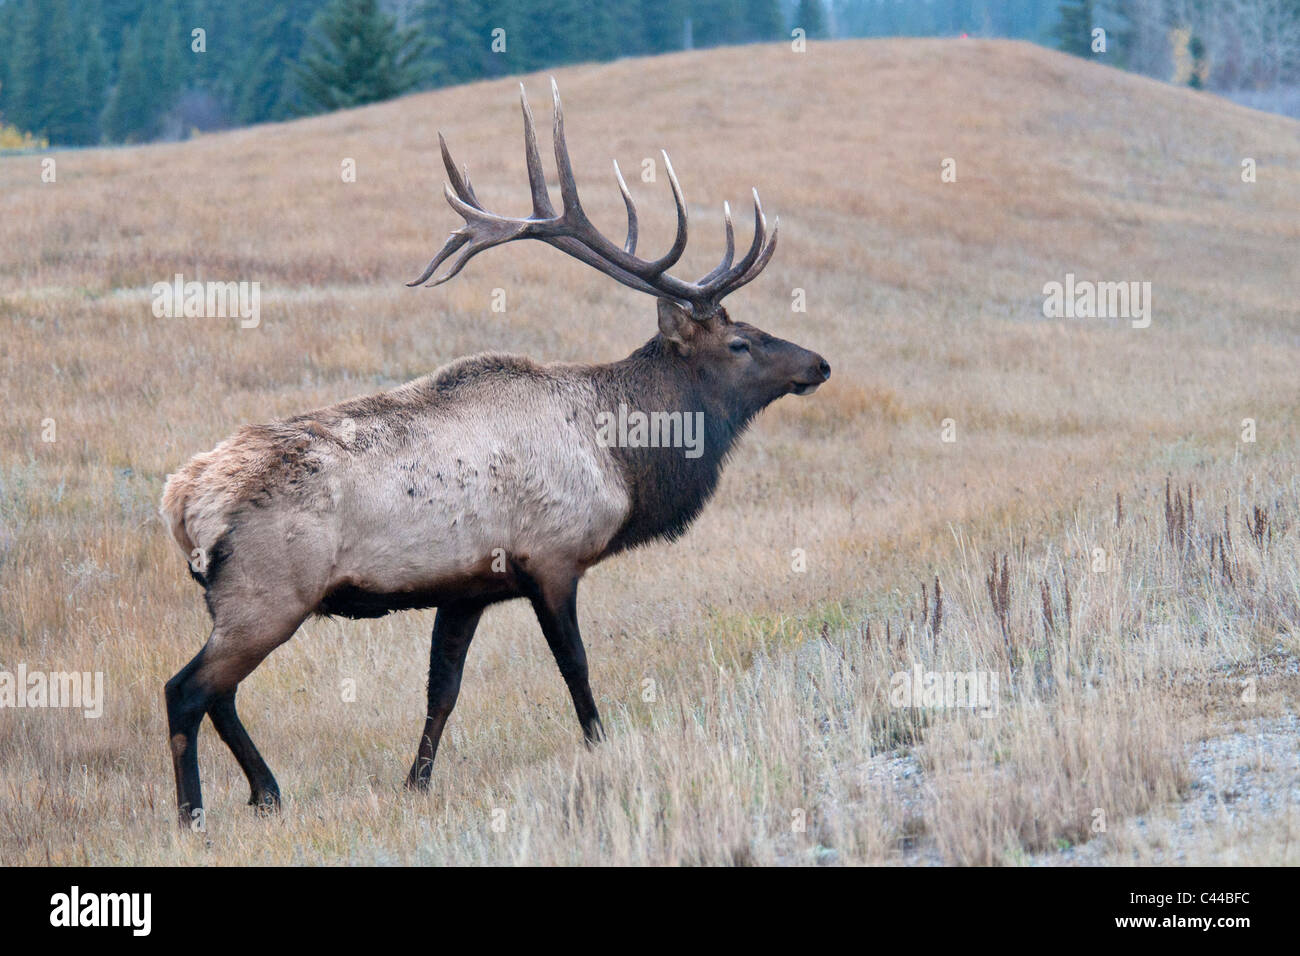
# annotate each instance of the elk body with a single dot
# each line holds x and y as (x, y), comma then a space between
(485, 481)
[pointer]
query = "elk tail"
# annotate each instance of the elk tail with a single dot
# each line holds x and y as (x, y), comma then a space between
(174, 496)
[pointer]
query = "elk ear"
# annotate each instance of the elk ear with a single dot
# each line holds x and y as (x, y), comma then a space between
(676, 323)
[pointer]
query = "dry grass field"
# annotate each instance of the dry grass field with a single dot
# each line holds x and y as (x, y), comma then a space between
(767, 735)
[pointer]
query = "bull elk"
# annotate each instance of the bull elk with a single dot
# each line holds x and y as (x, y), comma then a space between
(485, 481)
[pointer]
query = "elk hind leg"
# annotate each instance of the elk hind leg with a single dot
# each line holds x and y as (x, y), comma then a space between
(265, 792)
(186, 705)
(453, 630)
(206, 685)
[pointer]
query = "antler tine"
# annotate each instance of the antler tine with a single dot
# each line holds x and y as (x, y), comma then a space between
(458, 238)
(469, 188)
(722, 284)
(568, 187)
(725, 264)
(760, 236)
(759, 264)
(579, 227)
(458, 183)
(492, 231)
(630, 246)
(670, 257)
(454, 242)
(483, 230)
(542, 207)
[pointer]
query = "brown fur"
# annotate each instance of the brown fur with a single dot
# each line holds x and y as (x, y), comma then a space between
(493, 478)
(479, 483)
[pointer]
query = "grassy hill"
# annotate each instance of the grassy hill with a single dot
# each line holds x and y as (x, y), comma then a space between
(925, 295)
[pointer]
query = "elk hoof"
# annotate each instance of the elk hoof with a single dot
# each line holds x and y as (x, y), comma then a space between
(417, 784)
(266, 801)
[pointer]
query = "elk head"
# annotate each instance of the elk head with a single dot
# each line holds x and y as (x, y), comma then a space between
(748, 365)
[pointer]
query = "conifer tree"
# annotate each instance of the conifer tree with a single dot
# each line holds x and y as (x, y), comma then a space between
(357, 54)
(811, 15)
(763, 20)
(66, 114)
(28, 68)
(129, 114)
(457, 35)
(1074, 31)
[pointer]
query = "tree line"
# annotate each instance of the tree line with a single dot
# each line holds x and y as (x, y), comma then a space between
(81, 72)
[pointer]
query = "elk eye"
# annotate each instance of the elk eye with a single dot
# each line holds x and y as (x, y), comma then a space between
(738, 346)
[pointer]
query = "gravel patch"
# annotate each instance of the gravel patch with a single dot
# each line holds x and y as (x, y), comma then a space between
(1245, 786)
(1245, 792)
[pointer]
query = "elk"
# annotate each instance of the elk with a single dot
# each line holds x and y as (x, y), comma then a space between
(485, 481)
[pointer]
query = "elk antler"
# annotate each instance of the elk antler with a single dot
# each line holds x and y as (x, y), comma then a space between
(572, 232)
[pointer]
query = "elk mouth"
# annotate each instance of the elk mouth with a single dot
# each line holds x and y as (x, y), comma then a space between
(819, 372)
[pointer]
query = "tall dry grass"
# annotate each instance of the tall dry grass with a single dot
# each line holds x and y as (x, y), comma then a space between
(925, 296)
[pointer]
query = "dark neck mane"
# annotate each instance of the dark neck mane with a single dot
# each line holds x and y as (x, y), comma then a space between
(667, 488)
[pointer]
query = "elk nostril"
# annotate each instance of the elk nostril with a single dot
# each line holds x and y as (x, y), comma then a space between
(825, 369)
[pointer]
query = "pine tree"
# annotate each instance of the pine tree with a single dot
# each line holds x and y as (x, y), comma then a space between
(68, 117)
(716, 22)
(1121, 32)
(557, 32)
(172, 45)
(265, 86)
(763, 20)
(1074, 31)
(663, 24)
(7, 26)
(357, 54)
(129, 115)
(95, 67)
(457, 37)
(616, 30)
(59, 79)
(1196, 50)
(811, 16)
(261, 87)
(28, 68)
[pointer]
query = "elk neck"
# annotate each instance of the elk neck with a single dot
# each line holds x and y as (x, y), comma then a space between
(668, 488)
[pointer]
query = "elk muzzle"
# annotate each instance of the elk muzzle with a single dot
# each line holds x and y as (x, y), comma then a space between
(818, 371)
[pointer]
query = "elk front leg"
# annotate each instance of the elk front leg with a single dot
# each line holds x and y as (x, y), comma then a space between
(453, 630)
(557, 612)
